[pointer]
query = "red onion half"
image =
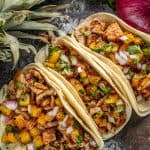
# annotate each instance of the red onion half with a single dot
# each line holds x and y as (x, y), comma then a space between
(135, 13)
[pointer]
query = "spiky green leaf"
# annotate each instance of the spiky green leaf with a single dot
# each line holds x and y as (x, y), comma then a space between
(53, 7)
(14, 46)
(27, 47)
(24, 35)
(19, 4)
(33, 25)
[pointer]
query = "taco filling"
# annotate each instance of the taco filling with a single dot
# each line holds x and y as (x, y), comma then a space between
(107, 109)
(125, 49)
(39, 119)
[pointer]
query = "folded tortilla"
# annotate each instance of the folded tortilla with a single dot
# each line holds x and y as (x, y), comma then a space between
(114, 63)
(62, 118)
(77, 72)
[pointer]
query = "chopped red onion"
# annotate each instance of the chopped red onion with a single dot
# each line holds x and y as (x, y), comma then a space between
(79, 69)
(11, 104)
(30, 146)
(119, 102)
(128, 76)
(63, 123)
(74, 60)
(4, 118)
(53, 112)
(69, 130)
(64, 58)
(121, 57)
(139, 65)
(94, 110)
(93, 143)
(123, 38)
(111, 119)
(125, 70)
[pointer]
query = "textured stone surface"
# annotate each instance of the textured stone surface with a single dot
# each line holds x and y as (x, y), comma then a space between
(136, 135)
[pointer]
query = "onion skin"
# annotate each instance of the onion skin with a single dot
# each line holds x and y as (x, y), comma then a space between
(135, 13)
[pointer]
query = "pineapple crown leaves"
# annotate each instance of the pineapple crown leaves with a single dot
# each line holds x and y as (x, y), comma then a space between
(17, 15)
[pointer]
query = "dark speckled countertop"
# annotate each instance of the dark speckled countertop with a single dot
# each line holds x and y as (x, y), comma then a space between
(136, 135)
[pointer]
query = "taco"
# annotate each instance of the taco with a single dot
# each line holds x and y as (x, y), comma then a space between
(125, 51)
(90, 85)
(36, 115)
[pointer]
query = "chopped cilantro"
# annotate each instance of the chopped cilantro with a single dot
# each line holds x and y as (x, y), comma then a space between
(95, 92)
(79, 139)
(86, 33)
(105, 90)
(82, 91)
(40, 148)
(11, 128)
(61, 65)
(77, 125)
(133, 49)
(146, 51)
(87, 103)
(67, 147)
(82, 79)
(19, 85)
(107, 48)
(52, 49)
(119, 108)
(25, 96)
(136, 60)
(131, 73)
(144, 69)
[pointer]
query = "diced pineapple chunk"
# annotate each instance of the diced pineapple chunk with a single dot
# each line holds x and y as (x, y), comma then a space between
(20, 122)
(80, 88)
(111, 99)
(6, 111)
(99, 44)
(136, 79)
(75, 133)
(60, 115)
(48, 118)
(103, 123)
(53, 58)
(97, 117)
(34, 132)
(43, 119)
(83, 74)
(50, 65)
(25, 137)
(8, 138)
(92, 45)
(4, 138)
(11, 137)
(25, 101)
(94, 79)
(116, 115)
(97, 120)
(130, 39)
(144, 82)
(35, 111)
(137, 40)
(58, 102)
(38, 142)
